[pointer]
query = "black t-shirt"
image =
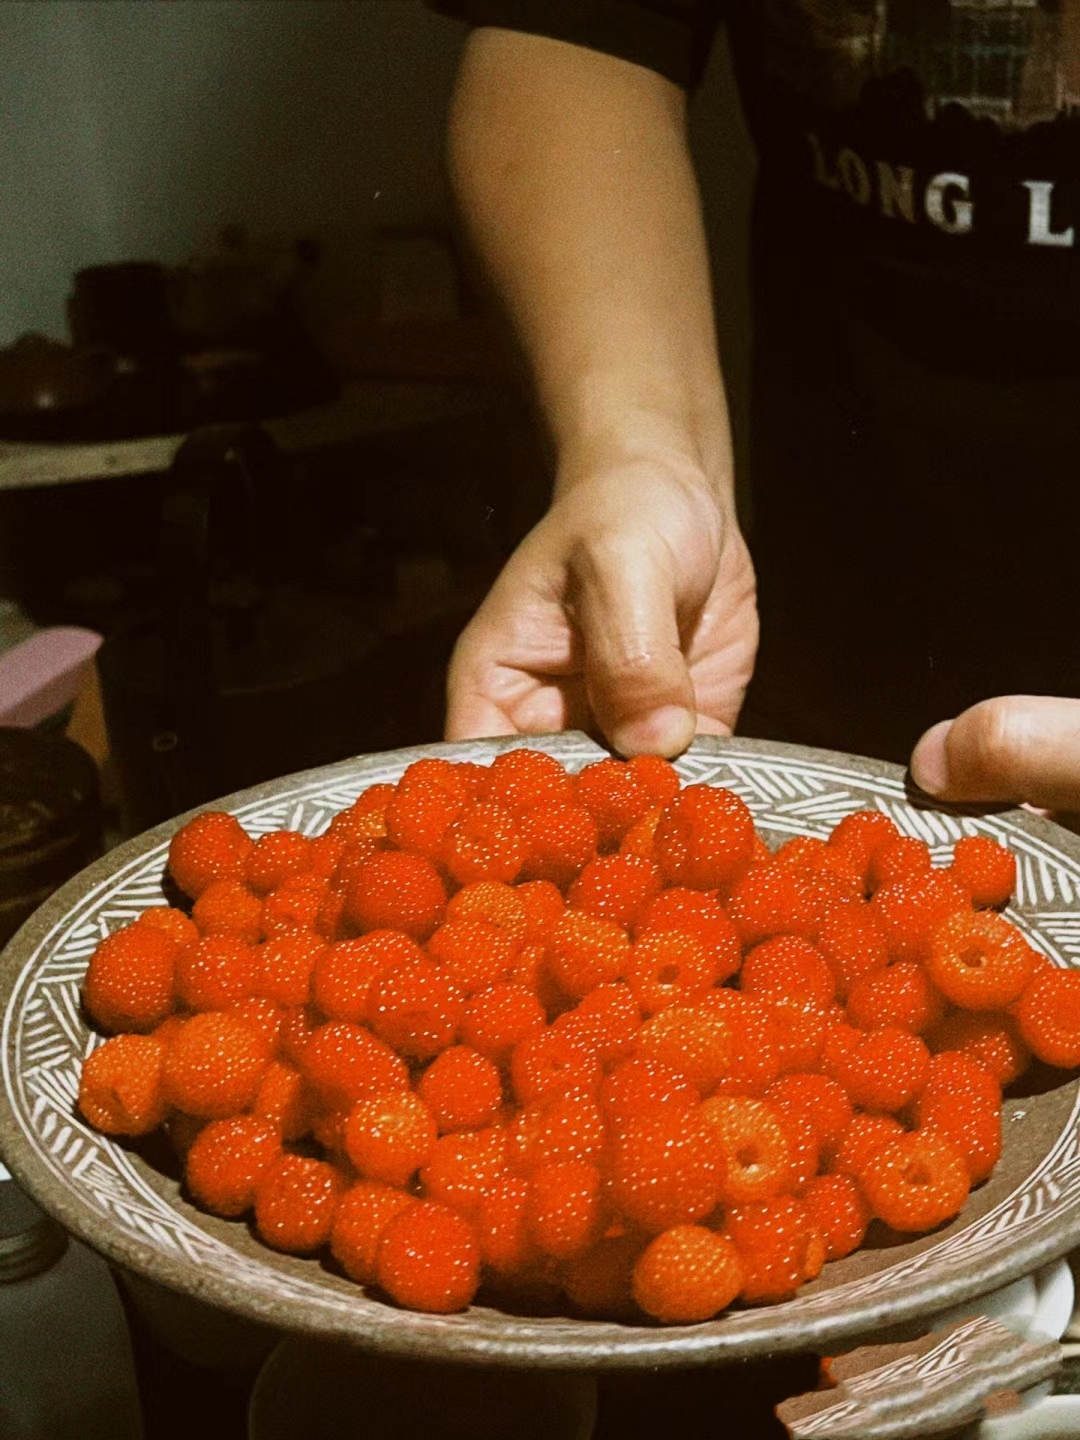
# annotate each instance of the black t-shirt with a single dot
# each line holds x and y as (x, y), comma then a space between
(915, 450)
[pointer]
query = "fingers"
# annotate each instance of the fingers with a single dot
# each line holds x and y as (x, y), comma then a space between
(1023, 748)
(638, 682)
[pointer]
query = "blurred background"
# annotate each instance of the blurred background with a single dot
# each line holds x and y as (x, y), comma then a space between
(263, 445)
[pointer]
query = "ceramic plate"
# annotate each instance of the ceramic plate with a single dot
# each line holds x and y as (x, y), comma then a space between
(127, 1206)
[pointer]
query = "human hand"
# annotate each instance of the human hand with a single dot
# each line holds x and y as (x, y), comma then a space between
(630, 609)
(1023, 748)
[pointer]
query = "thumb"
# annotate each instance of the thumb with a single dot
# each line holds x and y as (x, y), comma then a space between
(637, 679)
(1023, 748)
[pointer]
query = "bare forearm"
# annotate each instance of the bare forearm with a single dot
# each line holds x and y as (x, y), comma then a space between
(573, 172)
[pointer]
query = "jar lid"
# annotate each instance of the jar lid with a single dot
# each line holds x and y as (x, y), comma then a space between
(30, 1240)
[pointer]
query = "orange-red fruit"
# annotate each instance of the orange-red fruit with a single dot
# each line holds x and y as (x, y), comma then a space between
(274, 858)
(778, 899)
(789, 968)
(669, 967)
(1049, 1017)
(421, 811)
(228, 907)
(753, 1138)
(657, 777)
(524, 778)
(979, 961)
(295, 1203)
(664, 1169)
(992, 1040)
(173, 922)
(362, 1215)
(227, 1160)
(211, 846)
(491, 900)
(285, 966)
(954, 1073)
(757, 1048)
(821, 1100)
(472, 954)
(394, 891)
(586, 951)
(975, 1130)
(909, 911)
(885, 1070)
(120, 1085)
(617, 887)
(864, 1137)
(543, 905)
(779, 1246)
(564, 1210)
(346, 1063)
(347, 971)
(502, 1226)
(861, 835)
(551, 1132)
(606, 1021)
(705, 838)
(916, 1182)
(428, 1259)
(904, 858)
(462, 1089)
(296, 904)
(634, 1089)
(213, 1065)
(129, 982)
(703, 917)
(497, 1020)
(984, 869)
(551, 1062)
(415, 1009)
(389, 1137)
(901, 994)
(464, 1166)
(614, 797)
(687, 1274)
(486, 843)
(698, 1042)
(852, 940)
(216, 972)
(281, 1100)
(838, 1209)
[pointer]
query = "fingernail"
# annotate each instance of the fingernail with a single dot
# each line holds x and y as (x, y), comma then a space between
(928, 765)
(665, 731)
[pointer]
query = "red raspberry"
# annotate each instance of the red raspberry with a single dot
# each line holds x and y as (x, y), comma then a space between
(295, 1203)
(800, 1033)
(705, 838)
(129, 982)
(788, 968)
(810, 852)
(657, 777)
(564, 1211)
(954, 1073)
(415, 1009)
(916, 1182)
(216, 972)
(211, 846)
(397, 892)
(779, 899)
(910, 909)
(350, 863)
(634, 1089)
(389, 1137)
(296, 904)
(265, 1017)
(861, 835)
(640, 838)
(347, 971)
(669, 967)
(694, 1041)
(522, 779)
(298, 1025)
(665, 1169)
(345, 1063)
(282, 1102)
(552, 1132)
(362, 1215)
(587, 951)
(275, 858)
(365, 818)
(428, 1259)
(979, 961)
(491, 900)
(779, 1246)
(1049, 1017)
(550, 1063)
(213, 1065)
(822, 1101)
(885, 1070)
(486, 843)
(687, 1274)
(974, 1130)
(615, 797)
(992, 1040)
(984, 870)
(330, 921)
(606, 1022)
(852, 940)
(901, 994)
(173, 922)
(497, 1020)
(464, 1166)
(757, 1054)
(861, 1141)
(598, 1282)
(120, 1085)
(616, 887)
(324, 855)
(559, 841)
(502, 1227)
(544, 908)
(420, 814)
(838, 1210)
(703, 917)
(901, 859)
(285, 965)
(472, 954)
(754, 1143)
(462, 1089)
(840, 1040)
(226, 1162)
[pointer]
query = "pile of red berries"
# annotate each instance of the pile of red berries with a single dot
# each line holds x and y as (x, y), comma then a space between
(581, 1036)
